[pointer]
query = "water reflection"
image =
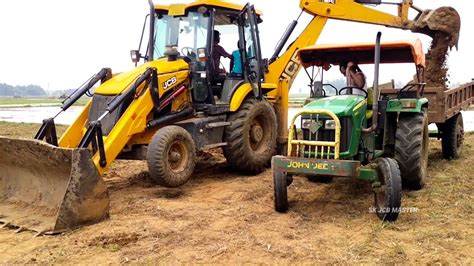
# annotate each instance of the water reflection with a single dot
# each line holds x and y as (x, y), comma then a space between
(37, 114)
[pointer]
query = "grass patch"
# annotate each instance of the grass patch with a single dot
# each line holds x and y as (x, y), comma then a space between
(24, 130)
(37, 101)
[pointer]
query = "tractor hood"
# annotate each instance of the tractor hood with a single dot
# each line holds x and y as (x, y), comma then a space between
(120, 82)
(341, 105)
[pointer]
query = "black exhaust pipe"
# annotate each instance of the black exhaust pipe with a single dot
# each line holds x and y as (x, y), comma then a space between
(375, 96)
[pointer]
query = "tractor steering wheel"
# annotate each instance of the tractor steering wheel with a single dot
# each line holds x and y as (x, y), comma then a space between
(188, 51)
(353, 87)
(330, 85)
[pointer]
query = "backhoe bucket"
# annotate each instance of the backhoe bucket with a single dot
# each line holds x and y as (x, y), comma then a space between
(444, 19)
(49, 189)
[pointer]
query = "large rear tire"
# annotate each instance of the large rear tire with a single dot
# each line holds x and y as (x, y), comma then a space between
(452, 137)
(171, 156)
(280, 192)
(411, 149)
(251, 137)
(388, 198)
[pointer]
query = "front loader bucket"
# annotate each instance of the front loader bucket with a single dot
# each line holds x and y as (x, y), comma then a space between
(49, 189)
(444, 19)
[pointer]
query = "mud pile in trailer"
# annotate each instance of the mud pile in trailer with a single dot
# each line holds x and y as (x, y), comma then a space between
(443, 25)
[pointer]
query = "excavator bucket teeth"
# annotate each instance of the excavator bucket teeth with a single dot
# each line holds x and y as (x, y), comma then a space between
(444, 19)
(49, 189)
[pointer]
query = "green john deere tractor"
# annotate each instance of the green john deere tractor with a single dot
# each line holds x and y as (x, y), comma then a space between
(366, 135)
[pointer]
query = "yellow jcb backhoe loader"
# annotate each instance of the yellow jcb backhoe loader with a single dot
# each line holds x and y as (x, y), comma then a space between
(174, 104)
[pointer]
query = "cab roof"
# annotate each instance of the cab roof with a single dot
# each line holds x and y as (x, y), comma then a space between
(363, 53)
(215, 3)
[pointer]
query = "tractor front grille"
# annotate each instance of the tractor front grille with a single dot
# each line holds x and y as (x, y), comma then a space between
(324, 134)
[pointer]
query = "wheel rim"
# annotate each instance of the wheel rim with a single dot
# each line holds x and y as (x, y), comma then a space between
(177, 157)
(380, 197)
(259, 133)
(381, 201)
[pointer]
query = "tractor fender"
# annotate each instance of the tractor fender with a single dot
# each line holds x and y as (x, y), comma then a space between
(407, 105)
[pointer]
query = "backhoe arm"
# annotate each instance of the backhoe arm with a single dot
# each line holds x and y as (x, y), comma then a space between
(429, 22)
(444, 20)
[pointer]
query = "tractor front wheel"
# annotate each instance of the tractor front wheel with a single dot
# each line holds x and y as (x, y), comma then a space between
(171, 156)
(280, 192)
(388, 195)
(251, 137)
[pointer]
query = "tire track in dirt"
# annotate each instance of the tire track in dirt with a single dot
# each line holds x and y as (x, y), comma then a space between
(223, 217)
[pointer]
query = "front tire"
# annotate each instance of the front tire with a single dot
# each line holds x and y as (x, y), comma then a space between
(251, 137)
(452, 137)
(411, 149)
(280, 192)
(389, 196)
(171, 156)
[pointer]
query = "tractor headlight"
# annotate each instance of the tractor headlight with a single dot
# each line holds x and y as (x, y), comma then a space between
(330, 124)
(306, 123)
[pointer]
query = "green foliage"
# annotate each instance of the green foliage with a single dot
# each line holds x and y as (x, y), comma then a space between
(21, 91)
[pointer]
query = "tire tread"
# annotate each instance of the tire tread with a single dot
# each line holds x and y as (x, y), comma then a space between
(409, 149)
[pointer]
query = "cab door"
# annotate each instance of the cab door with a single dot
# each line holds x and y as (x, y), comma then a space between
(251, 54)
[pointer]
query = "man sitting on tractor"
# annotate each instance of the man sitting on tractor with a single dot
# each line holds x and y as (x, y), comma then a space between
(355, 77)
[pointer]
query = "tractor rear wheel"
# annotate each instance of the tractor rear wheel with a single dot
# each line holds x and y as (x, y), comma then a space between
(411, 148)
(280, 193)
(171, 156)
(251, 137)
(452, 137)
(388, 196)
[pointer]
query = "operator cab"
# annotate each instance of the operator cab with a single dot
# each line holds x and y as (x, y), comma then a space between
(188, 32)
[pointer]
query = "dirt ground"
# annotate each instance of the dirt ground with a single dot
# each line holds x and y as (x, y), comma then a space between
(221, 217)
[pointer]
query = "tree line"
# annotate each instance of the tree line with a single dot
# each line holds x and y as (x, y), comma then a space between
(21, 91)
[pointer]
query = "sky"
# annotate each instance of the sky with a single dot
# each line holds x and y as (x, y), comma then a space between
(60, 44)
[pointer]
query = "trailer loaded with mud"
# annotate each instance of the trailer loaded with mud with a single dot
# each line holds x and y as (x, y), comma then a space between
(444, 110)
